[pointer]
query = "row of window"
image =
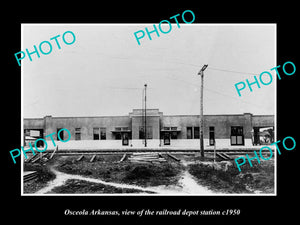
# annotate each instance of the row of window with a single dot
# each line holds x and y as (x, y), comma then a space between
(236, 136)
(99, 133)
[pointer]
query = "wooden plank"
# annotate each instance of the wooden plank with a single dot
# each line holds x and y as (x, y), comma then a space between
(43, 157)
(35, 159)
(56, 148)
(28, 158)
(123, 158)
(145, 158)
(225, 155)
(80, 158)
(173, 157)
(29, 177)
(221, 156)
(144, 153)
(93, 157)
(139, 161)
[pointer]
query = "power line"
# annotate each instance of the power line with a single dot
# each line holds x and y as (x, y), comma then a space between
(176, 62)
(235, 98)
(125, 88)
(216, 92)
(230, 71)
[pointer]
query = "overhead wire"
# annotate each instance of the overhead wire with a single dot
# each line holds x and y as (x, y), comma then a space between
(230, 71)
(216, 92)
(188, 83)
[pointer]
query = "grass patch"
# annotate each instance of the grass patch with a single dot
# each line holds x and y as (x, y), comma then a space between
(74, 186)
(125, 172)
(260, 177)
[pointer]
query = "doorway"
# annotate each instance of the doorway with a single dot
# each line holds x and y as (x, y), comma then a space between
(125, 139)
(167, 138)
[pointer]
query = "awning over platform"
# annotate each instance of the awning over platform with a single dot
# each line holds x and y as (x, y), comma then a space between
(164, 130)
(120, 131)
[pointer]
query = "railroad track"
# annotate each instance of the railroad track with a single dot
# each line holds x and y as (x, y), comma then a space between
(29, 175)
(104, 152)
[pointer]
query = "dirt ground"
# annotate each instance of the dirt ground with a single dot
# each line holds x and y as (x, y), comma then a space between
(219, 177)
(224, 177)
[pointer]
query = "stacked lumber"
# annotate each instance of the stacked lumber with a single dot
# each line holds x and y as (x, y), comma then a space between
(29, 175)
(148, 157)
(223, 156)
(29, 158)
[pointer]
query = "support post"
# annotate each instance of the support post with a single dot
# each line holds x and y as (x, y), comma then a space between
(145, 129)
(201, 127)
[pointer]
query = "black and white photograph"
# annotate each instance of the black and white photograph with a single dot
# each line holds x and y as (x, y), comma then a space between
(129, 109)
(143, 112)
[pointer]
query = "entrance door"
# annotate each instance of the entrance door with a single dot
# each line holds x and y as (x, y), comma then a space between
(256, 140)
(167, 140)
(211, 135)
(125, 139)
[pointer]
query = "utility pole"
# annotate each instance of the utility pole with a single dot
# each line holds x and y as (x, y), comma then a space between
(201, 127)
(145, 129)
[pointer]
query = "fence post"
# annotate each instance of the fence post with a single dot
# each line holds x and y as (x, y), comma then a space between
(215, 151)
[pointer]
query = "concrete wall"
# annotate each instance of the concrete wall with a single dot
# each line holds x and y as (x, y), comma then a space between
(263, 121)
(152, 121)
(221, 123)
(34, 123)
(86, 124)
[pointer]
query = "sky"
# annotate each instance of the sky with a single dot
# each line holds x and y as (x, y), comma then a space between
(104, 71)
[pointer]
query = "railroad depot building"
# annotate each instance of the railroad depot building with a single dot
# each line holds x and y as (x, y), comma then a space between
(227, 131)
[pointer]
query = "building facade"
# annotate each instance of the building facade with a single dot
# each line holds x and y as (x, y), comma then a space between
(161, 130)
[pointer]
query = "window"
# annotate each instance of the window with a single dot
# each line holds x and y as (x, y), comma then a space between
(192, 132)
(173, 128)
(237, 136)
(196, 133)
(189, 132)
(99, 133)
(36, 134)
(77, 134)
(96, 135)
(166, 128)
(211, 135)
